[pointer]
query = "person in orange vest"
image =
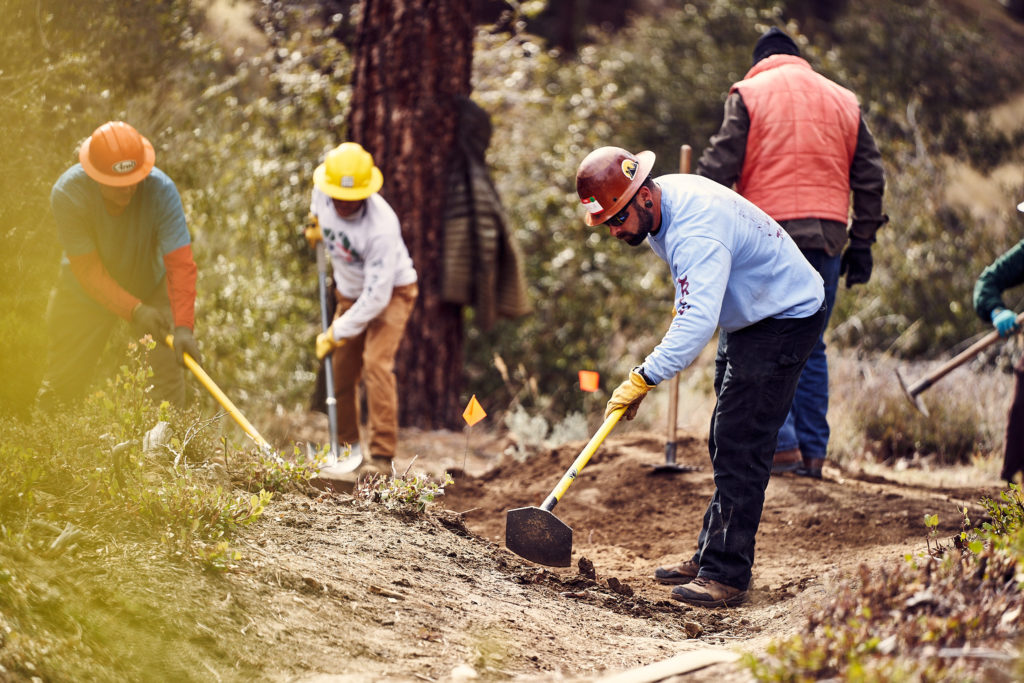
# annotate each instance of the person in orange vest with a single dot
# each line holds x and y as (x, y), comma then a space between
(795, 144)
(1006, 272)
(127, 254)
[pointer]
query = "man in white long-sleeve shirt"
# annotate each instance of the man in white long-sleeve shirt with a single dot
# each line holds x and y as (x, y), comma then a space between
(376, 288)
(734, 269)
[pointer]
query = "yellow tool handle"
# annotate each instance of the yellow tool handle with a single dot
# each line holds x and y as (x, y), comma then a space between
(221, 397)
(582, 459)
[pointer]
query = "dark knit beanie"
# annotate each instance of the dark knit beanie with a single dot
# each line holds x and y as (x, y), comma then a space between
(774, 42)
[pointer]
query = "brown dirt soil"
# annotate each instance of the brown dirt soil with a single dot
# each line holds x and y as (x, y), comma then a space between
(355, 593)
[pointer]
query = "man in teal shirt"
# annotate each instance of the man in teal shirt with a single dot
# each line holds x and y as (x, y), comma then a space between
(127, 254)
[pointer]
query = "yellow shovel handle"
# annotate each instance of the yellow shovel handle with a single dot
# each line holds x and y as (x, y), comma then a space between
(222, 399)
(582, 459)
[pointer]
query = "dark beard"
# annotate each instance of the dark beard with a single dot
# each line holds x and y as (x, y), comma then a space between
(646, 222)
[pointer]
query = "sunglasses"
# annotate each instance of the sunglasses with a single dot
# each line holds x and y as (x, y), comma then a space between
(620, 218)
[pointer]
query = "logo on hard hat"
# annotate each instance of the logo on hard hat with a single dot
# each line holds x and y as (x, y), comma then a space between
(126, 166)
(348, 181)
(592, 205)
(629, 168)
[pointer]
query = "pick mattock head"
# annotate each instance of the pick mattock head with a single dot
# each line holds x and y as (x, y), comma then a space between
(912, 397)
(538, 536)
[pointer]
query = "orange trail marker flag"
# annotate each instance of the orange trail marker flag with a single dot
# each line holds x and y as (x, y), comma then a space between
(474, 412)
(588, 380)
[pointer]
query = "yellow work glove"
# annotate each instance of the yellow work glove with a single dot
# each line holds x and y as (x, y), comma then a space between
(629, 394)
(313, 232)
(325, 343)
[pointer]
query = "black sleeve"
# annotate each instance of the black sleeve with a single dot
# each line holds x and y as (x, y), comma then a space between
(867, 182)
(722, 161)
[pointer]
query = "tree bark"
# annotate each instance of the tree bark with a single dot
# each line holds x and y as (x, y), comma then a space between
(413, 58)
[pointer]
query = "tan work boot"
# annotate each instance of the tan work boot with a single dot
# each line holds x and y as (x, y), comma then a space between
(379, 464)
(787, 461)
(684, 572)
(707, 592)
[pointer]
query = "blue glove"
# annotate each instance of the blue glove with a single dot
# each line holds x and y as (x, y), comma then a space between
(1005, 321)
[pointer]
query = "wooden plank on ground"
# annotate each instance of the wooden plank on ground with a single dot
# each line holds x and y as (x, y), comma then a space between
(680, 664)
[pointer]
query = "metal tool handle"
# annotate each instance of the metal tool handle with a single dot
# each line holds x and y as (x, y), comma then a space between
(325, 320)
(221, 397)
(582, 459)
(685, 154)
(958, 360)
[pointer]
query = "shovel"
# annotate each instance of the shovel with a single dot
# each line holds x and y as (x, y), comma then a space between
(535, 533)
(928, 380)
(355, 458)
(670, 466)
(222, 399)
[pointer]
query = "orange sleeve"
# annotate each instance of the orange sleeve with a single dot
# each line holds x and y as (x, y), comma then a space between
(181, 285)
(96, 281)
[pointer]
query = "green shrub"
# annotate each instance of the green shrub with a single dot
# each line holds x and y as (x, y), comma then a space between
(894, 429)
(923, 620)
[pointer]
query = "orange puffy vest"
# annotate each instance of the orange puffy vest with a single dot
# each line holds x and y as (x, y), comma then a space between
(803, 132)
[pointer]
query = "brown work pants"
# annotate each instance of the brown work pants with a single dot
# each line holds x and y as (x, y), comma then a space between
(370, 356)
(1013, 453)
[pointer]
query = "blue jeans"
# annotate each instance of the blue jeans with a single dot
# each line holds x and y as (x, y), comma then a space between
(806, 426)
(756, 373)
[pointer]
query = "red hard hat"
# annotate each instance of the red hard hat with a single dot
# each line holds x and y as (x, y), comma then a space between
(116, 155)
(608, 178)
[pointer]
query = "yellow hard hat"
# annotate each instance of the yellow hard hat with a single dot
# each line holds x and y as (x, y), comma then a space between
(348, 173)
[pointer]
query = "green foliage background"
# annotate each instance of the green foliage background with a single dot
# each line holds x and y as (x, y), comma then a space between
(241, 130)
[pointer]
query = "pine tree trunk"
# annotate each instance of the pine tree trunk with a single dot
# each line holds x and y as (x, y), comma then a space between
(413, 58)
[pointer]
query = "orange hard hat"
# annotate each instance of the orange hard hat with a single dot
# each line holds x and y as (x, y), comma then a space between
(348, 173)
(116, 155)
(608, 178)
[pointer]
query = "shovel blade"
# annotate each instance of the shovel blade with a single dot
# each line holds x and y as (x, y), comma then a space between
(336, 465)
(349, 463)
(538, 536)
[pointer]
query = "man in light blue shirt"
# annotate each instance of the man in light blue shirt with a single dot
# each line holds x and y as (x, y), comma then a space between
(734, 269)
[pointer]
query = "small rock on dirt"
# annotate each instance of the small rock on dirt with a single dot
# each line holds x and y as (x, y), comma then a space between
(586, 568)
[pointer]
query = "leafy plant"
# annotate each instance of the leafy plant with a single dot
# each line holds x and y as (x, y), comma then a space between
(401, 493)
(889, 624)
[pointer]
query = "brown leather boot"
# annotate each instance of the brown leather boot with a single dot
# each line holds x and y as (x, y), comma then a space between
(707, 592)
(684, 572)
(378, 464)
(811, 467)
(787, 461)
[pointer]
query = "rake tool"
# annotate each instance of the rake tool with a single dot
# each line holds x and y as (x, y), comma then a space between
(670, 466)
(913, 391)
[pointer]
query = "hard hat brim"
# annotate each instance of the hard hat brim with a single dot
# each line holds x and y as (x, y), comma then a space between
(645, 162)
(118, 180)
(349, 194)
(1020, 207)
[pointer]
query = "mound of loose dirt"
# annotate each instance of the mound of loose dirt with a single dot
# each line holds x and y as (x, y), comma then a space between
(628, 520)
(353, 590)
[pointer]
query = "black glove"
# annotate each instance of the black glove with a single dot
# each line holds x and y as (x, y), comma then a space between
(153, 321)
(184, 342)
(856, 264)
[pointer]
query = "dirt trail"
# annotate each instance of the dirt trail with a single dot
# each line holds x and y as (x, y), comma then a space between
(354, 594)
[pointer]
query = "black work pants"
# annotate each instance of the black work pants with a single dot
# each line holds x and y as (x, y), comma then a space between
(1013, 448)
(756, 373)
